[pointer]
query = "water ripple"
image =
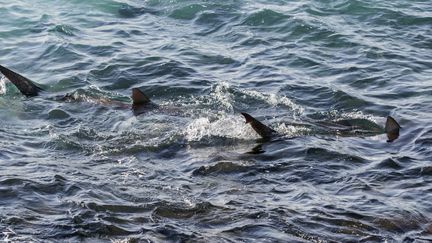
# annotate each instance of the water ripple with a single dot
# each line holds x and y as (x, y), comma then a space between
(84, 168)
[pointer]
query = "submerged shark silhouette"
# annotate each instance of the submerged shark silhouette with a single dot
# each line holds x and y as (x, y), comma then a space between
(140, 102)
(391, 128)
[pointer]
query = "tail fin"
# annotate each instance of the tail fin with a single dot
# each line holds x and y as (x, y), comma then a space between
(392, 129)
(263, 130)
(138, 97)
(25, 85)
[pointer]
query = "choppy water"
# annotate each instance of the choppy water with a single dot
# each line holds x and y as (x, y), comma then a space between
(82, 171)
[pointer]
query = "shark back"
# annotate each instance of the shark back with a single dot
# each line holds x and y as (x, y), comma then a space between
(24, 85)
(263, 130)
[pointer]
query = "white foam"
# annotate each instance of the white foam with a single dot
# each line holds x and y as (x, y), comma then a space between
(125, 125)
(221, 94)
(354, 115)
(227, 126)
(274, 100)
(289, 130)
(3, 85)
(125, 240)
(226, 123)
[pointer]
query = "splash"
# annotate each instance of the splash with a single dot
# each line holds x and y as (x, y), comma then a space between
(221, 95)
(337, 115)
(126, 240)
(359, 115)
(227, 126)
(226, 123)
(230, 126)
(290, 131)
(274, 100)
(3, 85)
(225, 95)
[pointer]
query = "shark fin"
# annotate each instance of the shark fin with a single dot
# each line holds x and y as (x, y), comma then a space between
(24, 85)
(138, 97)
(263, 130)
(392, 129)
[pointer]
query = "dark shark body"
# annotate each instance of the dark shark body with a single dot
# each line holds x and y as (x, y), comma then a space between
(392, 129)
(356, 126)
(140, 102)
(24, 85)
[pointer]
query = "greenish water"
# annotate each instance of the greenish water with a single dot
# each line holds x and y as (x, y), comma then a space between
(91, 172)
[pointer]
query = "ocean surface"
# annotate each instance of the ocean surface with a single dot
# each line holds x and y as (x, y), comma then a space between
(191, 170)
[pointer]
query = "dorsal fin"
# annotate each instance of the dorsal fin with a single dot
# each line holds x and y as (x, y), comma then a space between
(138, 97)
(24, 85)
(263, 130)
(392, 129)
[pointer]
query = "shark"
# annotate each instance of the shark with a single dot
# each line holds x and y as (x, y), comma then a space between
(391, 128)
(140, 102)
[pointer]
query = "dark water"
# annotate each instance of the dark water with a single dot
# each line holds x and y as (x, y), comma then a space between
(83, 171)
